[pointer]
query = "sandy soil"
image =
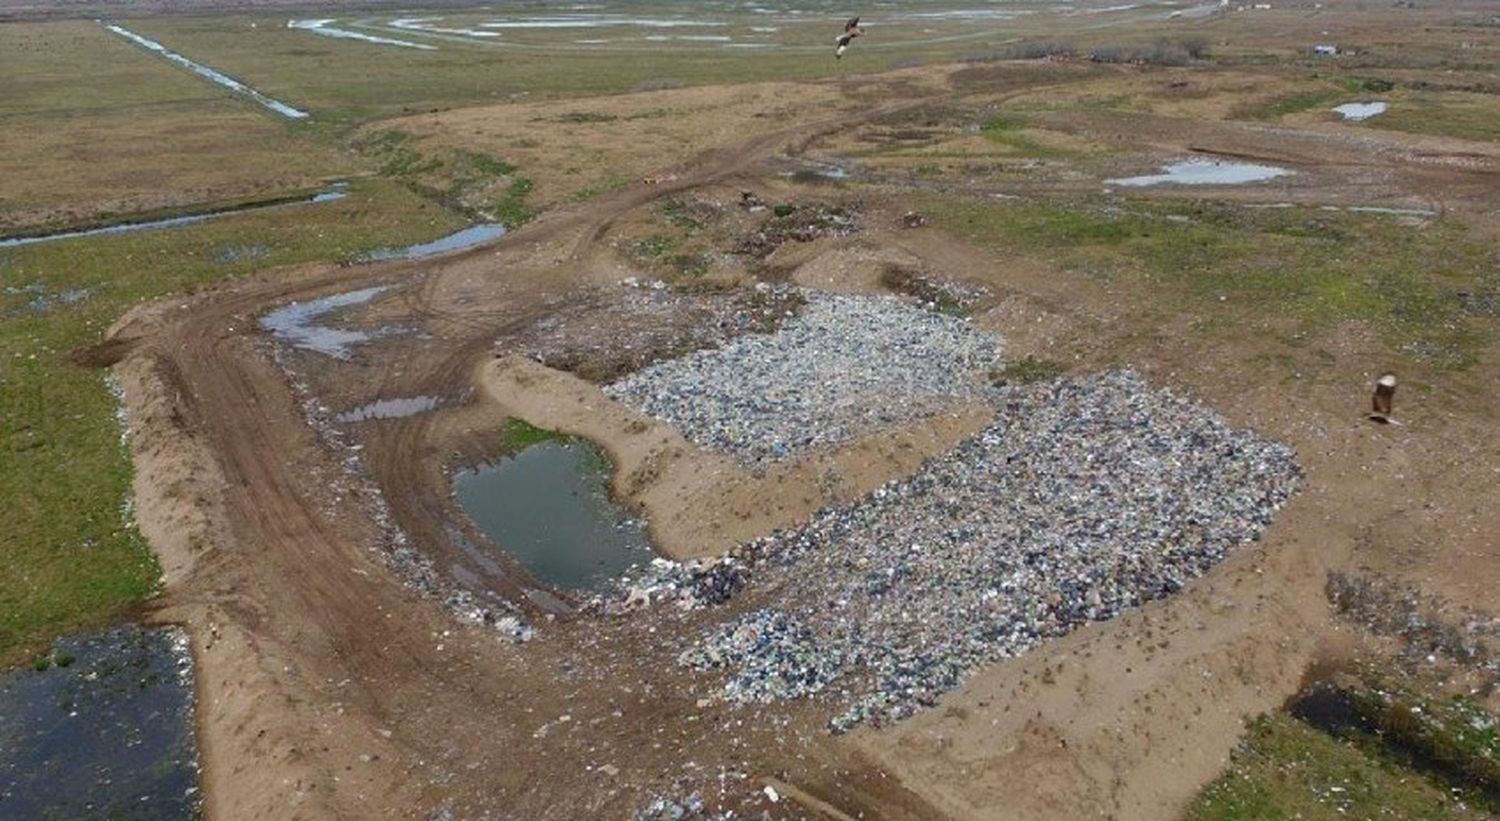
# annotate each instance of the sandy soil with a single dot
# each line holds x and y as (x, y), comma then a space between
(330, 689)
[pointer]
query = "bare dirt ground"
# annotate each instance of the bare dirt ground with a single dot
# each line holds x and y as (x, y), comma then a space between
(328, 688)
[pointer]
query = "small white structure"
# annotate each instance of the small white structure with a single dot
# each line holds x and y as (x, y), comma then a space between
(1325, 50)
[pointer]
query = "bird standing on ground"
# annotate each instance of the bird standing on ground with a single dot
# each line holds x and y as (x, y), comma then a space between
(1385, 390)
(851, 31)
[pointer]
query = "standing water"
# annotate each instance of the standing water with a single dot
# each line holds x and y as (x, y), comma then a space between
(1204, 172)
(1360, 111)
(296, 324)
(473, 235)
(102, 727)
(549, 507)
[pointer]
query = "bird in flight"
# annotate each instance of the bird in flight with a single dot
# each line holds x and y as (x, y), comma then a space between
(851, 31)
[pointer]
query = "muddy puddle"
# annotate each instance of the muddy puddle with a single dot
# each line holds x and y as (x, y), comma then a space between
(1354, 112)
(209, 74)
(818, 171)
(102, 727)
(549, 507)
(333, 194)
(1204, 172)
(456, 241)
(297, 324)
(398, 408)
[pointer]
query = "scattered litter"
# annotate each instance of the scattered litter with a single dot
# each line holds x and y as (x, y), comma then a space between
(796, 223)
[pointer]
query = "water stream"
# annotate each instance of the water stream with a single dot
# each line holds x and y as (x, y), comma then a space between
(209, 74)
(333, 194)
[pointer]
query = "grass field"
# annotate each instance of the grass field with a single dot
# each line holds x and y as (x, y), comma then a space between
(1286, 770)
(1444, 114)
(1388, 742)
(73, 557)
(1313, 269)
(347, 82)
(92, 126)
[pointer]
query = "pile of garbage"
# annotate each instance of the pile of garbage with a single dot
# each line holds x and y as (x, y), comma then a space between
(844, 366)
(795, 223)
(1084, 497)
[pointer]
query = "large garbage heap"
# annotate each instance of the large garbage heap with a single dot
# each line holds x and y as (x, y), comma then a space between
(843, 367)
(1085, 496)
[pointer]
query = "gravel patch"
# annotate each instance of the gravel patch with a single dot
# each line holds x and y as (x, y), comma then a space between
(1084, 497)
(846, 365)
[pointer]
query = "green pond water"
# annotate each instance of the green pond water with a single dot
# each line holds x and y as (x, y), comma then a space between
(549, 508)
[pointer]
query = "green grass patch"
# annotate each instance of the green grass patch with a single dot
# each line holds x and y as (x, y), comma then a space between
(1444, 114)
(676, 212)
(1010, 131)
(512, 209)
(58, 67)
(1312, 267)
(344, 82)
(607, 185)
(74, 558)
(520, 434)
(1450, 739)
(1284, 769)
(486, 165)
(469, 181)
(1028, 370)
(587, 117)
(653, 248)
(1294, 103)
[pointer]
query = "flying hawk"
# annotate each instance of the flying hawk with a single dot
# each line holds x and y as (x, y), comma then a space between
(851, 31)
(1385, 390)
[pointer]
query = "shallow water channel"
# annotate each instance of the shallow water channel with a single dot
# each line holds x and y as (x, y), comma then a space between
(102, 727)
(333, 194)
(549, 507)
(209, 74)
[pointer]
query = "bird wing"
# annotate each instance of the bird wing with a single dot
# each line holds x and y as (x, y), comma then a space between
(851, 25)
